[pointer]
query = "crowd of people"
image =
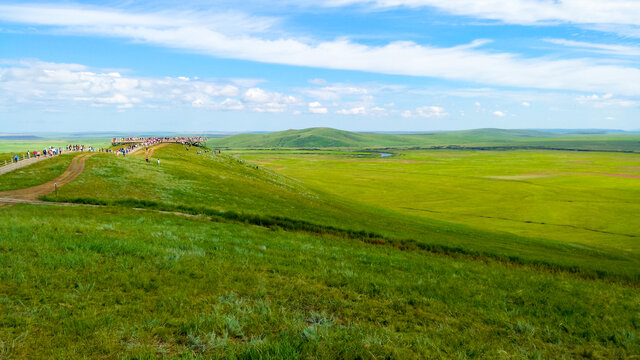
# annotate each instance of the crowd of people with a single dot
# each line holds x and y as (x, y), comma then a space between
(147, 141)
(127, 146)
(51, 151)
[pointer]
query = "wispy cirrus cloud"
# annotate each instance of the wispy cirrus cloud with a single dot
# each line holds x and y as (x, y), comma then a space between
(613, 49)
(468, 62)
(524, 12)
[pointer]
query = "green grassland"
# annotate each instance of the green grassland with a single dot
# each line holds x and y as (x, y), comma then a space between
(101, 282)
(212, 184)
(583, 197)
(300, 253)
(479, 138)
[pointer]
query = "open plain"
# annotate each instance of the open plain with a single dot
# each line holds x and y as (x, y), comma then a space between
(325, 253)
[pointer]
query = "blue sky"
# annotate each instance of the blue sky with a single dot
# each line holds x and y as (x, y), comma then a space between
(385, 65)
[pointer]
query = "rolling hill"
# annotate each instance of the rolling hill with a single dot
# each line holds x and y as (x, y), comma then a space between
(313, 137)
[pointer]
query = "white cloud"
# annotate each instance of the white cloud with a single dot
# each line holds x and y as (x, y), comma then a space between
(335, 91)
(499, 113)
(623, 50)
(97, 17)
(257, 95)
(526, 104)
(271, 107)
(465, 63)
(431, 111)
(268, 102)
(318, 81)
(231, 104)
(50, 84)
(624, 12)
(317, 108)
(360, 110)
(425, 112)
(606, 100)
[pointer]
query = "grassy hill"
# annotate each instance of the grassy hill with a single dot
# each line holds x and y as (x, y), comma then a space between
(313, 137)
(214, 184)
(211, 256)
(478, 138)
(327, 137)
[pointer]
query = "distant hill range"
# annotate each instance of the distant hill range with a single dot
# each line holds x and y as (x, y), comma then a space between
(19, 137)
(608, 140)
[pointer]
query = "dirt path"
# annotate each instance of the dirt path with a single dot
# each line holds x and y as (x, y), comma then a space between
(149, 151)
(32, 193)
(75, 169)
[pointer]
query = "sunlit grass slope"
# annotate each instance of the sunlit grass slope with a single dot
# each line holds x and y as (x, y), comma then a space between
(135, 284)
(224, 186)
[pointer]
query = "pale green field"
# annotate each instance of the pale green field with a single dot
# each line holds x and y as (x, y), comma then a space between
(590, 198)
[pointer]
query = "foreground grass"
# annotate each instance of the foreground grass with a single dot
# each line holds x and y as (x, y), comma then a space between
(226, 187)
(114, 282)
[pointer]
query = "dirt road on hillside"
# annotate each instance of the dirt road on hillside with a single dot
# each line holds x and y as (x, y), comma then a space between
(75, 169)
(32, 193)
(149, 152)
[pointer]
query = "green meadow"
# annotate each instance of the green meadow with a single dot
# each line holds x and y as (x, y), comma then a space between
(115, 282)
(328, 252)
(583, 197)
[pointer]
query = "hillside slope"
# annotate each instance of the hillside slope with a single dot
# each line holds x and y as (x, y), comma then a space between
(210, 184)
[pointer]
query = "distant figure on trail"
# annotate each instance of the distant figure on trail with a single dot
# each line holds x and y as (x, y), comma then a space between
(147, 159)
(158, 161)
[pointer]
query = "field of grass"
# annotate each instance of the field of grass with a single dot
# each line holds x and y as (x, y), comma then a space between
(300, 253)
(101, 282)
(204, 183)
(579, 197)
